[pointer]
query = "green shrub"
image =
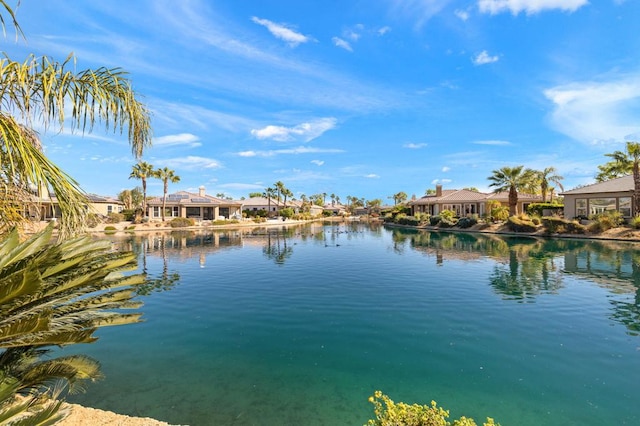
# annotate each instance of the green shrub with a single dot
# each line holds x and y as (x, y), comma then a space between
(287, 212)
(434, 220)
(605, 221)
(129, 214)
(259, 219)
(110, 229)
(557, 225)
(181, 222)
(537, 209)
(500, 213)
(467, 222)
(635, 222)
(521, 223)
(423, 218)
(408, 220)
(388, 413)
(115, 217)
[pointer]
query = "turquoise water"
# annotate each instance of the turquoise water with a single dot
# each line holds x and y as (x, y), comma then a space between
(300, 325)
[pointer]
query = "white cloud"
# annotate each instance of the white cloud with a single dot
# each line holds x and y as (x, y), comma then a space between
(530, 7)
(372, 176)
(190, 163)
(305, 131)
(446, 169)
(382, 31)
(462, 14)
(419, 10)
(436, 181)
(291, 151)
(342, 43)
(492, 142)
(282, 32)
(187, 139)
(317, 162)
(483, 58)
(596, 112)
(412, 145)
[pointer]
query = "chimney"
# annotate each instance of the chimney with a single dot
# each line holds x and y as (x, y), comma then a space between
(201, 191)
(438, 190)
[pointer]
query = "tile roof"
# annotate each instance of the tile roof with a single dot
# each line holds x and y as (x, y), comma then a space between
(188, 198)
(621, 184)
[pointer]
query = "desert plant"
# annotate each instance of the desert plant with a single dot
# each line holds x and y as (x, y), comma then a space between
(93, 220)
(500, 213)
(115, 217)
(521, 223)
(467, 222)
(389, 413)
(605, 221)
(55, 294)
(635, 222)
(181, 222)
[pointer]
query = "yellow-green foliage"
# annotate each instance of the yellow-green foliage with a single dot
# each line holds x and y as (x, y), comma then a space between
(388, 413)
(181, 222)
(500, 213)
(605, 221)
(521, 223)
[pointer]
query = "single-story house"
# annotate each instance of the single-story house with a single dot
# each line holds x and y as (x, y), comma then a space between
(463, 201)
(612, 195)
(255, 204)
(48, 207)
(198, 206)
(335, 209)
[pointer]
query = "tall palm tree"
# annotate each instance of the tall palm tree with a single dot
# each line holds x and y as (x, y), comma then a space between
(142, 171)
(546, 177)
(513, 179)
(286, 192)
(166, 175)
(622, 164)
(45, 87)
(269, 193)
(333, 199)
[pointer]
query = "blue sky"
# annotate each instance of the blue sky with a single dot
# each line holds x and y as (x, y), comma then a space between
(361, 98)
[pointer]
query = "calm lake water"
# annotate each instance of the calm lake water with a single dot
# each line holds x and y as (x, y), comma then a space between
(299, 326)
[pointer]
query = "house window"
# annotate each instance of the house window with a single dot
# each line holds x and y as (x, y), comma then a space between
(624, 206)
(156, 211)
(193, 211)
(176, 211)
(109, 209)
(581, 207)
(601, 205)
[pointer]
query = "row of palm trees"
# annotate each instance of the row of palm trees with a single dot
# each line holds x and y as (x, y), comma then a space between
(144, 171)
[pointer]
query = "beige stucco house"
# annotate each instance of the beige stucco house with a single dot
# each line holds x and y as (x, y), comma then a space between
(463, 201)
(47, 208)
(198, 206)
(612, 195)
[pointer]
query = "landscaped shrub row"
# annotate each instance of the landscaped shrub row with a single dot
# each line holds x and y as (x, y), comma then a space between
(181, 222)
(521, 223)
(537, 209)
(557, 225)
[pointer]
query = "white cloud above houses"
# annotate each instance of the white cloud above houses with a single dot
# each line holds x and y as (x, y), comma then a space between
(596, 112)
(289, 151)
(317, 162)
(189, 163)
(283, 32)
(343, 44)
(180, 139)
(529, 7)
(484, 58)
(412, 145)
(304, 132)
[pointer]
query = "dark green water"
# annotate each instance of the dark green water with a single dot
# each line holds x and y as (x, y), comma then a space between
(300, 326)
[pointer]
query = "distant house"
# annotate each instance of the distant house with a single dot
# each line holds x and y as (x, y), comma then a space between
(612, 195)
(198, 206)
(334, 209)
(48, 207)
(463, 201)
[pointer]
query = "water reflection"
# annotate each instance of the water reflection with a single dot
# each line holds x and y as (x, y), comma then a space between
(528, 267)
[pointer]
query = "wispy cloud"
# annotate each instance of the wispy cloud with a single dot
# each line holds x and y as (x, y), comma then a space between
(530, 7)
(372, 176)
(291, 151)
(492, 142)
(462, 14)
(342, 43)
(189, 163)
(436, 181)
(412, 145)
(317, 162)
(282, 31)
(483, 58)
(419, 10)
(384, 30)
(302, 132)
(446, 169)
(596, 112)
(181, 139)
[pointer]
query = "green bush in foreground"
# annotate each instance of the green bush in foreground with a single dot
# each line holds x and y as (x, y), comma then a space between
(521, 223)
(388, 413)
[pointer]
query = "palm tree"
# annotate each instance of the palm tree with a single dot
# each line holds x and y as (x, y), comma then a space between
(142, 171)
(56, 94)
(269, 193)
(286, 192)
(166, 175)
(333, 199)
(54, 295)
(513, 179)
(547, 176)
(624, 163)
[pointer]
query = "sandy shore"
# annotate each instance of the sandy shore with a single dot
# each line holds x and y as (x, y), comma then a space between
(83, 416)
